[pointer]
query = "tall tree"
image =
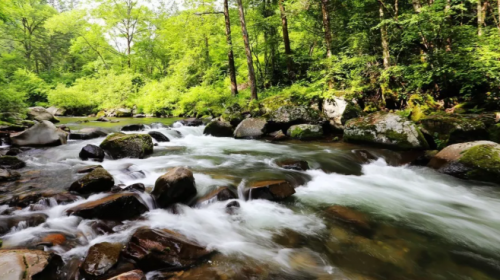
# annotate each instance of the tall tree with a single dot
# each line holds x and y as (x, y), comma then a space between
(230, 55)
(326, 27)
(248, 51)
(286, 41)
(385, 39)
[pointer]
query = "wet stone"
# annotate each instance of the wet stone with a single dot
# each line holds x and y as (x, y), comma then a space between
(88, 169)
(32, 220)
(22, 264)
(154, 249)
(192, 122)
(220, 194)
(274, 190)
(292, 164)
(98, 180)
(158, 136)
(91, 152)
(101, 258)
(116, 207)
(134, 127)
(11, 162)
(350, 216)
(175, 186)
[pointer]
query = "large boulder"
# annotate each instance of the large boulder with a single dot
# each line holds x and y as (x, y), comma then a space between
(56, 111)
(92, 152)
(274, 190)
(479, 160)
(339, 111)
(44, 133)
(116, 207)
(250, 129)
(155, 249)
(11, 162)
(452, 129)
(289, 115)
(385, 129)
(158, 136)
(123, 113)
(175, 186)
(87, 133)
(219, 129)
(191, 122)
(41, 114)
(121, 145)
(23, 264)
(99, 180)
(305, 131)
(100, 259)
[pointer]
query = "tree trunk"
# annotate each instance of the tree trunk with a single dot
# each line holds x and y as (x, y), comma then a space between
(286, 41)
(230, 55)
(326, 26)
(480, 18)
(416, 5)
(385, 41)
(251, 71)
(129, 47)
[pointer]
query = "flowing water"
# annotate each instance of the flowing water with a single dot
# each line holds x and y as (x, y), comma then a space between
(415, 223)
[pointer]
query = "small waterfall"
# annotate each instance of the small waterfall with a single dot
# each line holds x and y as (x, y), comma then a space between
(241, 189)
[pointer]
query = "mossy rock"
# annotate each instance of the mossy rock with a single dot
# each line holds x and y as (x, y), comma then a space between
(101, 114)
(99, 180)
(494, 133)
(479, 160)
(219, 129)
(452, 129)
(385, 129)
(120, 145)
(305, 131)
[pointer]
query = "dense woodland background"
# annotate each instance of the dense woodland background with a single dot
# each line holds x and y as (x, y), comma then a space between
(183, 58)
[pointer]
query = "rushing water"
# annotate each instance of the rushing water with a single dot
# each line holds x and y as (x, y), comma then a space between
(422, 225)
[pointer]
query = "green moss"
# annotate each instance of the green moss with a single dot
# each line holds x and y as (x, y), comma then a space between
(484, 161)
(101, 114)
(304, 132)
(399, 139)
(120, 145)
(452, 129)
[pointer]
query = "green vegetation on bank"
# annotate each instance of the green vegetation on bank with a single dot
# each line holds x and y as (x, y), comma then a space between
(163, 59)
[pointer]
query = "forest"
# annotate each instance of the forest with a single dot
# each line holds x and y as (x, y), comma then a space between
(200, 57)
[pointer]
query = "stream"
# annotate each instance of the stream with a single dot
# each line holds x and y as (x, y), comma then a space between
(415, 222)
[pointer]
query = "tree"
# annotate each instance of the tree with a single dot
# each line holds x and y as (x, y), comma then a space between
(251, 72)
(230, 55)
(286, 41)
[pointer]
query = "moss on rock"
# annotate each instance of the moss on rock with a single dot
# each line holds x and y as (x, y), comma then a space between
(120, 145)
(305, 131)
(483, 161)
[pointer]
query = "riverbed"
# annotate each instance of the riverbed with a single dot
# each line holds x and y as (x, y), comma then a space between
(407, 222)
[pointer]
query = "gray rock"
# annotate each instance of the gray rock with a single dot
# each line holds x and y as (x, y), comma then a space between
(175, 186)
(40, 114)
(22, 264)
(87, 133)
(305, 131)
(44, 133)
(92, 152)
(250, 129)
(339, 111)
(56, 111)
(158, 136)
(219, 129)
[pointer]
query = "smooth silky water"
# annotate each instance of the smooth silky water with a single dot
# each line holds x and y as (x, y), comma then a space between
(422, 225)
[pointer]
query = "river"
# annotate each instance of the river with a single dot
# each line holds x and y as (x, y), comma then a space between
(416, 223)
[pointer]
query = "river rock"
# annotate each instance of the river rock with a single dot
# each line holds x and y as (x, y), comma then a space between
(123, 113)
(292, 164)
(250, 129)
(100, 259)
(191, 122)
(158, 136)
(139, 116)
(175, 186)
(11, 162)
(220, 194)
(87, 133)
(44, 133)
(88, 169)
(13, 151)
(102, 119)
(453, 129)
(23, 264)
(154, 249)
(131, 275)
(219, 129)
(56, 111)
(134, 127)
(385, 129)
(31, 220)
(116, 207)
(479, 160)
(121, 145)
(339, 111)
(278, 135)
(350, 216)
(92, 152)
(99, 180)
(274, 190)
(289, 115)
(305, 131)
(41, 114)
(8, 175)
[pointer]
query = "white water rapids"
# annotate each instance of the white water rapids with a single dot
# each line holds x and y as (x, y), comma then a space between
(461, 212)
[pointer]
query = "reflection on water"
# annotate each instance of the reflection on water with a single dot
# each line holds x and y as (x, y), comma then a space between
(352, 217)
